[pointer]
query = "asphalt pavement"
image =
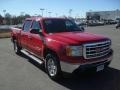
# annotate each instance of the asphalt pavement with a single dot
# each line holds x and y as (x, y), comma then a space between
(21, 73)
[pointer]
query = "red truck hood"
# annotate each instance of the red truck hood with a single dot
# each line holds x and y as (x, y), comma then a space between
(76, 37)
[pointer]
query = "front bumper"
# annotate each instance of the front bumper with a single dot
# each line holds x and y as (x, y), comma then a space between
(69, 67)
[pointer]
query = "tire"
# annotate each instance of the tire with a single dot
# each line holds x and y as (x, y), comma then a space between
(52, 66)
(116, 27)
(107, 64)
(17, 48)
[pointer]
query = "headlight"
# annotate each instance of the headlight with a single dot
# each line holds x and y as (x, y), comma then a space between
(74, 50)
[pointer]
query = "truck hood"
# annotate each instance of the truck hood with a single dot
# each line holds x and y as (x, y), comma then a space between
(76, 37)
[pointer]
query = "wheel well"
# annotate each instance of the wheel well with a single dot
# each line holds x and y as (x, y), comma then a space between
(47, 50)
(13, 38)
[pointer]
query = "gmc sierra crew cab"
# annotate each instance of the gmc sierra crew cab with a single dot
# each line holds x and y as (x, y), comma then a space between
(61, 45)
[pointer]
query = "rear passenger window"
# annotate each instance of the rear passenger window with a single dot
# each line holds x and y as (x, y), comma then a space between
(27, 25)
(36, 25)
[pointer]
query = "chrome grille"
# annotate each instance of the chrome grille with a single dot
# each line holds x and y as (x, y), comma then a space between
(94, 50)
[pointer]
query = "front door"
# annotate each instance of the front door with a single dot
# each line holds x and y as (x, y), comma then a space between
(24, 33)
(35, 42)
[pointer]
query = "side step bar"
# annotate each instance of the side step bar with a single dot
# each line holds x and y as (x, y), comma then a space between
(32, 57)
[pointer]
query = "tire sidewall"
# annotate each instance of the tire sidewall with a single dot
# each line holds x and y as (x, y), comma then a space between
(57, 64)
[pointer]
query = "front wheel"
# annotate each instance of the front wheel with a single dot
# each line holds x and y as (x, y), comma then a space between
(53, 67)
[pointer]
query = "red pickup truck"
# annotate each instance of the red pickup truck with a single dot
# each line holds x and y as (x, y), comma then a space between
(61, 45)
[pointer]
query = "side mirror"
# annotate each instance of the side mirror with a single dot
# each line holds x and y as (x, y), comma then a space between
(35, 31)
(82, 28)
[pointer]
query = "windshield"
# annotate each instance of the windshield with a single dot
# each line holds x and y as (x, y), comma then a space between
(59, 25)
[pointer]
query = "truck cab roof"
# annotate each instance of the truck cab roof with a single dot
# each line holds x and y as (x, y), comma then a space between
(42, 18)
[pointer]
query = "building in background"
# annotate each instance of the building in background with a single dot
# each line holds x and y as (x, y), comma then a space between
(103, 15)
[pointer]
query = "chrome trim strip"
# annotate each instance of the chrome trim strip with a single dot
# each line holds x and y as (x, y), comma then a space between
(32, 57)
(103, 42)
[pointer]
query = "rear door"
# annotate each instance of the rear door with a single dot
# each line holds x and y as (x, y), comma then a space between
(24, 33)
(35, 42)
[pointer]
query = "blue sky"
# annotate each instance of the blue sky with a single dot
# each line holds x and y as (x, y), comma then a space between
(61, 7)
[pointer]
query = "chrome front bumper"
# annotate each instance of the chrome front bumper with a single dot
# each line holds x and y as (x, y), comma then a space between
(69, 67)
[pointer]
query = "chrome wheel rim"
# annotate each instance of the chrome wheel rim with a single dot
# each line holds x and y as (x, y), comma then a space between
(52, 68)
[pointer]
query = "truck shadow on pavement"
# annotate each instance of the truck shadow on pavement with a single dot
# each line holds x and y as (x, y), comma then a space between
(104, 80)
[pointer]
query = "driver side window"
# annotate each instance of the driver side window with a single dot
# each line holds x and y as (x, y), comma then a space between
(36, 25)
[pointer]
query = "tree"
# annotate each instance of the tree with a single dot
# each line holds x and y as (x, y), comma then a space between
(22, 17)
(14, 20)
(8, 18)
(1, 19)
(27, 16)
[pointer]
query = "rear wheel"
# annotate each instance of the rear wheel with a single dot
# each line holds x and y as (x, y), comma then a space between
(53, 67)
(17, 48)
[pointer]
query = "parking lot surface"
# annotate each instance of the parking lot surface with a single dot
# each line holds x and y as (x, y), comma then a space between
(21, 73)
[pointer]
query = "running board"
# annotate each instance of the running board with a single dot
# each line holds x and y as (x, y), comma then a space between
(32, 57)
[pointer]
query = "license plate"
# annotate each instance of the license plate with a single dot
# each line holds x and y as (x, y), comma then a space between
(99, 68)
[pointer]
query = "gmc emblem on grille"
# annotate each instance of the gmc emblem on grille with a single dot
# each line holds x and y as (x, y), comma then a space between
(98, 49)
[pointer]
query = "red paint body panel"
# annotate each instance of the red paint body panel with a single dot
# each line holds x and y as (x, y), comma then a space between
(55, 41)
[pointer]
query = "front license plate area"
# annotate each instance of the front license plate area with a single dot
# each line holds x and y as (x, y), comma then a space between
(100, 68)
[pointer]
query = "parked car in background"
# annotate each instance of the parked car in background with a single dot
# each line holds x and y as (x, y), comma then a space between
(112, 22)
(117, 25)
(108, 22)
(95, 23)
(81, 23)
